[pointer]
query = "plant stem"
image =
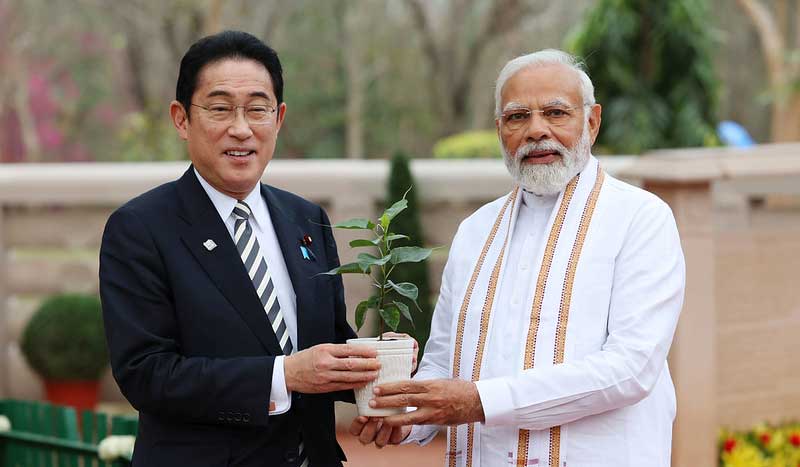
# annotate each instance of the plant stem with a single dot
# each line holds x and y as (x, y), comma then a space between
(384, 278)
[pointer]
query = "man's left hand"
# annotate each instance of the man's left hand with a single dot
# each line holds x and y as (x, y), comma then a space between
(438, 402)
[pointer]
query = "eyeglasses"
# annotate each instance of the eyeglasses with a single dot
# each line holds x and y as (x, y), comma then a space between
(226, 113)
(555, 115)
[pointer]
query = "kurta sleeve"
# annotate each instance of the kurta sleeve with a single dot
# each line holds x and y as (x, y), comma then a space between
(435, 362)
(646, 299)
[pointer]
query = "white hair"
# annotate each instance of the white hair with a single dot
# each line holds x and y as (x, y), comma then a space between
(542, 58)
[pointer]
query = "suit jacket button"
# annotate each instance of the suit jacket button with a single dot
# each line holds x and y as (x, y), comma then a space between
(246, 417)
(291, 456)
(237, 416)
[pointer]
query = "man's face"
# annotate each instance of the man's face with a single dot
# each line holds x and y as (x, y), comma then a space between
(549, 146)
(231, 156)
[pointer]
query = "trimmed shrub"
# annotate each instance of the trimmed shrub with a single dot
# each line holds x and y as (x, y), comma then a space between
(408, 222)
(65, 340)
(468, 145)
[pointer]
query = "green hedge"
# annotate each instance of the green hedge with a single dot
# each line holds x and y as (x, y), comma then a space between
(470, 144)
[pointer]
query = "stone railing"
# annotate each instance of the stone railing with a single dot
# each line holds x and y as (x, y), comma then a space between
(738, 213)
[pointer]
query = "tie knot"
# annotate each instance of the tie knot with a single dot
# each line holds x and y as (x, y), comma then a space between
(241, 210)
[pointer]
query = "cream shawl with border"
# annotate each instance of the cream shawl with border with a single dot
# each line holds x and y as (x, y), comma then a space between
(568, 227)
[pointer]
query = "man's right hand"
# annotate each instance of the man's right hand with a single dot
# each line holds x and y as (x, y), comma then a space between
(372, 430)
(330, 367)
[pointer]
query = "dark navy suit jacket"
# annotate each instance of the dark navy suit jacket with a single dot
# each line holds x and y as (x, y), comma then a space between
(190, 344)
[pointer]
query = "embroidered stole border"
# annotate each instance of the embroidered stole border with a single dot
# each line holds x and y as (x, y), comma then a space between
(452, 431)
(563, 311)
(536, 309)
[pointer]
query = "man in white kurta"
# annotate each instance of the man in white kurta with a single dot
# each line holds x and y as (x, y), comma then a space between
(558, 303)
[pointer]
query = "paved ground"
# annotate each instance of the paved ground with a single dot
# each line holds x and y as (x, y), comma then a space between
(431, 455)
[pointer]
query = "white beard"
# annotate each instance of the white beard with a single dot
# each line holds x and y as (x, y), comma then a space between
(548, 179)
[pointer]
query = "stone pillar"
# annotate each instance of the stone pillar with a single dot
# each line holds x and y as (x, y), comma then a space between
(692, 358)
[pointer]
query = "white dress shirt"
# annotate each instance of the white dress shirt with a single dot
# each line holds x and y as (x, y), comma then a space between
(261, 223)
(520, 272)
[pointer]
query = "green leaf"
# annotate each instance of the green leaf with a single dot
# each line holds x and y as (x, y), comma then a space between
(349, 268)
(363, 307)
(361, 311)
(390, 316)
(393, 237)
(410, 254)
(405, 311)
(393, 211)
(357, 223)
(406, 289)
(361, 242)
(370, 260)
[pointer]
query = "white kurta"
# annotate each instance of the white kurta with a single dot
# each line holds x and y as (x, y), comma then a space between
(612, 395)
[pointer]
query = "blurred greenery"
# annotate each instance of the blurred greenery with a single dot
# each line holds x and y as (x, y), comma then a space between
(363, 77)
(652, 67)
(470, 144)
(83, 81)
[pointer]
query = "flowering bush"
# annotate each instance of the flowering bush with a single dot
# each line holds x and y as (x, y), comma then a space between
(763, 446)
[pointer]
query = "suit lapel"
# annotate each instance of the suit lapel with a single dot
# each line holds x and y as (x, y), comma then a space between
(222, 263)
(301, 271)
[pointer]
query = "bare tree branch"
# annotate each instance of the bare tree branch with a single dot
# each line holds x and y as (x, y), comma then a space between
(772, 43)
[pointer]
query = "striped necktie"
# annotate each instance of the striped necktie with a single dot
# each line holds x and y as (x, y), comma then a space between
(257, 269)
(256, 266)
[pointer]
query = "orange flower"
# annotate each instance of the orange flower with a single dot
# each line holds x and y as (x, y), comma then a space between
(765, 438)
(794, 438)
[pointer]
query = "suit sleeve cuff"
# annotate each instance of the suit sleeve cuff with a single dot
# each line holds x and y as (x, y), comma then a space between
(497, 401)
(280, 400)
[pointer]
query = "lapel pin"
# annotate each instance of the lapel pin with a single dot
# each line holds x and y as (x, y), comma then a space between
(305, 248)
(209, 244)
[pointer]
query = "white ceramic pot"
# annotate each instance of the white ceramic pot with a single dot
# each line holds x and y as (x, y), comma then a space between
(396, 357)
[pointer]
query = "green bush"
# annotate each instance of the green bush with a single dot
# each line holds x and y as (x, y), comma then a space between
(64, 339)
(470, 144)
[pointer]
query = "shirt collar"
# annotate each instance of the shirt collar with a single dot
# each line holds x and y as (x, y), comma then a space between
(534, 201)
(224, 204)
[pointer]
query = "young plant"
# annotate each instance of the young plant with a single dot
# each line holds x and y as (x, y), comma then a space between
(379, 268)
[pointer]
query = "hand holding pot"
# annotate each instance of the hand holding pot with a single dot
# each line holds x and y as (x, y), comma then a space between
(396, 357)
(438, 402)
(373, 430)
(330, 367)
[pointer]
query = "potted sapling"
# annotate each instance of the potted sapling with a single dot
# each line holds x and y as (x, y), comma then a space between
(390, 300)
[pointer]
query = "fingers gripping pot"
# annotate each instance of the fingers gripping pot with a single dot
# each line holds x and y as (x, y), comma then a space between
(396, 357)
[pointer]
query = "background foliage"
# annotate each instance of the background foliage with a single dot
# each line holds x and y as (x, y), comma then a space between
(653, 72)
(82, 80)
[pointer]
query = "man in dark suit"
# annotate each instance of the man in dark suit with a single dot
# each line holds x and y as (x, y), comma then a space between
(222, 331)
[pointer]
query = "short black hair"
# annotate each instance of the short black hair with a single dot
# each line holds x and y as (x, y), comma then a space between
(220, 46)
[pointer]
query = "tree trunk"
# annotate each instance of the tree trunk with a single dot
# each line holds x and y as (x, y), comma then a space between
(27, 123)
(355, 82)
(785, 111)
